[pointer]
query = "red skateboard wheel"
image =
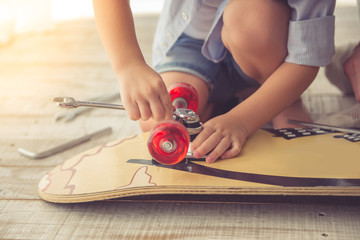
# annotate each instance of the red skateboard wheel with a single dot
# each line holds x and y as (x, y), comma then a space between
(168, 142)
(183, 95)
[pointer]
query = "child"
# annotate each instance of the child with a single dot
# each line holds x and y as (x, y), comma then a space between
(221, 48)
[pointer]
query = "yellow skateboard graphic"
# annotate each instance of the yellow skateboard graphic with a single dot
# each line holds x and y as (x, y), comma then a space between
(311, 162)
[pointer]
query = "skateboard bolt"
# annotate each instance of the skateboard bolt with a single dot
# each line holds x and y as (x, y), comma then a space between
(168, 146)
(180, 103)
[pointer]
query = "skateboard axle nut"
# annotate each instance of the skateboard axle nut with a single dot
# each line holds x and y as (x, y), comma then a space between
(168, 146)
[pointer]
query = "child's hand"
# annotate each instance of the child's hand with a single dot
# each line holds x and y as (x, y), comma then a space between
(144, 94)
(222, 137)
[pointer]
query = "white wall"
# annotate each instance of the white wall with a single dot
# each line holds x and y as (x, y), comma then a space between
(19, 16)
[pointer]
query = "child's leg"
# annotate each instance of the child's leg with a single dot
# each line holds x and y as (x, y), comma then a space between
(201, 87)
(255, 32)
(259, 44)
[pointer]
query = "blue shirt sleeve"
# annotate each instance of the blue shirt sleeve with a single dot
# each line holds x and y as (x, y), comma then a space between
(311, 32)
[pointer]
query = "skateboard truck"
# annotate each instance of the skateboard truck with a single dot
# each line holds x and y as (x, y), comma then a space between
(169, 140)
(190, 120)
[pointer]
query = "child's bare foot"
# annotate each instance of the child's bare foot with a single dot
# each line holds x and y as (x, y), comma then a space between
(352, 70)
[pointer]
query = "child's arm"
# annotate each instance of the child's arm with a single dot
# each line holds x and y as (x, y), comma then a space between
(226, 134)
(142, 90)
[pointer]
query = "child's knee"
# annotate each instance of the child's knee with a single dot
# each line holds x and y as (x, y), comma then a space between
(240, 27)
(200, 86)
(254, 28)
(256, 23)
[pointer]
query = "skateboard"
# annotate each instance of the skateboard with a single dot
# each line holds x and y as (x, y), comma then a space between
(292, 162)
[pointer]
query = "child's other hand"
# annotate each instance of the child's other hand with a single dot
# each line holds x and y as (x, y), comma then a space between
(144, 94)
(222, 137)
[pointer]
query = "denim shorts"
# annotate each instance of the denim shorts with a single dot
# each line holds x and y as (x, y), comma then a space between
(224, 78)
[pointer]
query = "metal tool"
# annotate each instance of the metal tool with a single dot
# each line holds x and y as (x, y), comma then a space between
(69, 102)
(71, 115)
(323, 126)
(63, 146)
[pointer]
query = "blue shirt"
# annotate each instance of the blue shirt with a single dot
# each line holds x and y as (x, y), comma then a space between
(310, 40)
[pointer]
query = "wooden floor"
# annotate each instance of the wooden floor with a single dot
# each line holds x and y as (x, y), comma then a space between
(70, 61)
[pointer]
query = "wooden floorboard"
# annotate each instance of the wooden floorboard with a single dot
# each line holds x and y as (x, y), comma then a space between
(71, 61)
(35, 219)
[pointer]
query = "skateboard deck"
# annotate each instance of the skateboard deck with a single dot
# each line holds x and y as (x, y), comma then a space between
(298, 162)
